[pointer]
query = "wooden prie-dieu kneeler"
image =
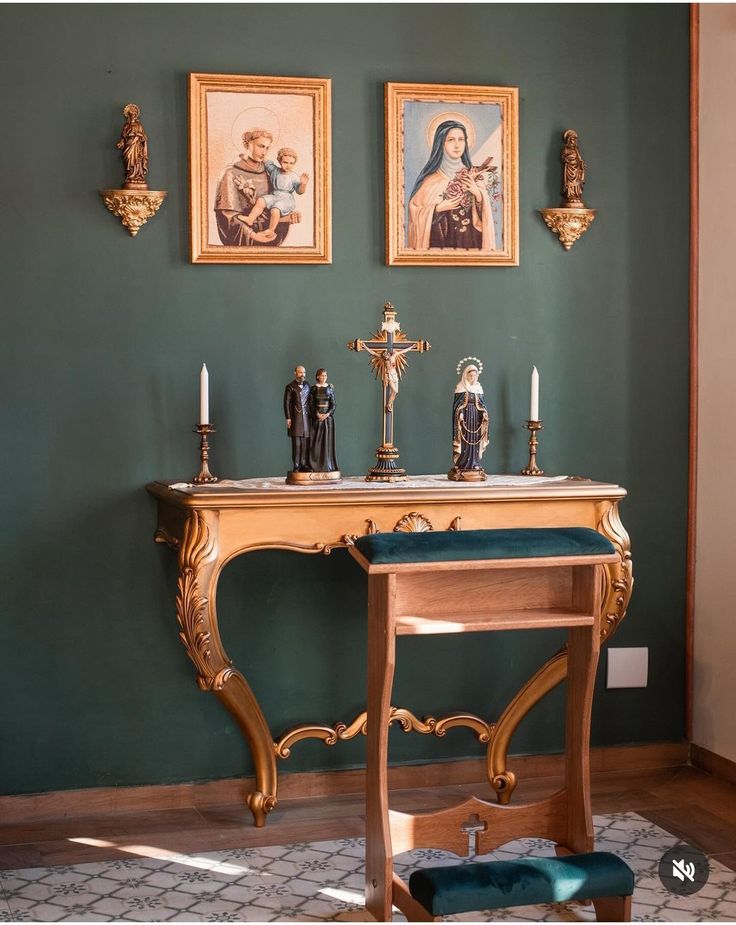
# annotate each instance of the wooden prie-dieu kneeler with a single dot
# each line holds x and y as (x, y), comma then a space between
(478, 581)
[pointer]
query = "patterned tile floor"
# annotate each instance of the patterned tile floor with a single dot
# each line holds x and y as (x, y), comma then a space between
(322, 881)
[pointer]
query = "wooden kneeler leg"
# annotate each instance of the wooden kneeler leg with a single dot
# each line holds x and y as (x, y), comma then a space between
(583, 646)
(613, 909)
(381, 665)
(405, 902)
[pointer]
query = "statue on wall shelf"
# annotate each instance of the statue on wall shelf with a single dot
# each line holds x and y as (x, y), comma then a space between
(134, 146)
(134, 203)
(322, 457)
(571, 218)
(573, 170)
(470, 423)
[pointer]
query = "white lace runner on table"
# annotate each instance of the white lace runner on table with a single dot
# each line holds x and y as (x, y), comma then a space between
(357, 482)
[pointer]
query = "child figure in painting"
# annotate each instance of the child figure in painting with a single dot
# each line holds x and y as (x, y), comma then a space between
(284, 183)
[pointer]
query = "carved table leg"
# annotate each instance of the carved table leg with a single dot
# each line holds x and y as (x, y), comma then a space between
(615, 597)
(196, 611)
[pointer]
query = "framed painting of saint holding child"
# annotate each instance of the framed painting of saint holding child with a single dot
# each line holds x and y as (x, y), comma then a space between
(452, 195)
(259, 165)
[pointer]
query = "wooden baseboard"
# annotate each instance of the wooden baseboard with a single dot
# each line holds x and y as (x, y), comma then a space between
(714, 764)
(99, 800)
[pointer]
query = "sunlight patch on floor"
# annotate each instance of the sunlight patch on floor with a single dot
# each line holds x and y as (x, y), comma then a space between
(175, 857)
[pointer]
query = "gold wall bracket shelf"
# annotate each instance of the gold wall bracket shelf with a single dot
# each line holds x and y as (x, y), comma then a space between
(133, 207)
(568, 224)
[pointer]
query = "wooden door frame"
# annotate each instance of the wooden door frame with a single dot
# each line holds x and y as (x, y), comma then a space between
(693, 365)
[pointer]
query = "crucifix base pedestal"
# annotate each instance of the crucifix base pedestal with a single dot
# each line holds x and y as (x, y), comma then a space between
(386, 469)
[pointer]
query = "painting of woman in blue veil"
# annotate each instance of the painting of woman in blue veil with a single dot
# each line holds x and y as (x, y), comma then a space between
(452, 189)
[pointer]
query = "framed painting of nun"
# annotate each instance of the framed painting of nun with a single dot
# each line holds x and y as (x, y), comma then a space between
(452, 166)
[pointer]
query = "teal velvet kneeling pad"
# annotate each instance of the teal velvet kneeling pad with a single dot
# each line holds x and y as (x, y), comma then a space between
(526, 882)
(468, 545)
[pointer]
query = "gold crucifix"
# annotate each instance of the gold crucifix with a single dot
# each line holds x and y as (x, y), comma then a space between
(388, 361)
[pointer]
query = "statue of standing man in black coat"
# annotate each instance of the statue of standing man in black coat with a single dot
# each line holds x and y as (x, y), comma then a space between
(296, 412)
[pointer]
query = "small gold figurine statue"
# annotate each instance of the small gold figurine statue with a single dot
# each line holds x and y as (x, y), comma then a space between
(573, 171)
(133, 203)
(134, 145)
(571, 219)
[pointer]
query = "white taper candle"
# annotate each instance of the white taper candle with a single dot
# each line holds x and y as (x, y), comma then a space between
(204, 396)
(534, 410)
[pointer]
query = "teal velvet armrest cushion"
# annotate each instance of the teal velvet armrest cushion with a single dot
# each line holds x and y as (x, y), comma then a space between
(467, 545)
(524, 882)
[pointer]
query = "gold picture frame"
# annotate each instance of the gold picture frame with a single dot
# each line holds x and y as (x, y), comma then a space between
(472, 133)
(249, 199)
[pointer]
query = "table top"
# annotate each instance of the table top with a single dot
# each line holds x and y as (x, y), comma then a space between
(274, 490)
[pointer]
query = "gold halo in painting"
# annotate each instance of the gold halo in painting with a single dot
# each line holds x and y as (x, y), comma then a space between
(255, 117)
(457, 117)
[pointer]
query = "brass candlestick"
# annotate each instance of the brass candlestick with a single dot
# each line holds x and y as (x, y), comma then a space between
(532, 468)
(204, 450)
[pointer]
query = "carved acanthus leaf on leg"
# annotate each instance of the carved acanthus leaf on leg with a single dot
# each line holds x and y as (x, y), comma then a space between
(197, 549)
(621, 577)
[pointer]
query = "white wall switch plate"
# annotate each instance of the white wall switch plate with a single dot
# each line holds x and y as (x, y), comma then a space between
(628, 667)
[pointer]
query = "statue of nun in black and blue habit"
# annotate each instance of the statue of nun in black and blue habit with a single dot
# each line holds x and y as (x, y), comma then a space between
(322, 456)
(469, 427)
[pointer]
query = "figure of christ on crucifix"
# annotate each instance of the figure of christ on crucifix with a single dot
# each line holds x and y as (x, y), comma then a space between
(388, 348)
(389, 372)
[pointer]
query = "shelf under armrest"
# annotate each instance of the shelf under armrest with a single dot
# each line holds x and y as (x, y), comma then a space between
(547, 618)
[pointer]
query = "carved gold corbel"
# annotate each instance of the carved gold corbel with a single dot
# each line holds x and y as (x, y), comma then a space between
(133, 208)
(568, 224)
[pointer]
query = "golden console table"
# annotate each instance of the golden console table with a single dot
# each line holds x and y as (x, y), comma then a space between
(209, 525)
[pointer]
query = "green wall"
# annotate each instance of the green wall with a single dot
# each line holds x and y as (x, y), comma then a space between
(103, 337)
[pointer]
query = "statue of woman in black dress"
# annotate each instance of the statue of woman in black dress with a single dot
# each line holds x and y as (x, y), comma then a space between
(322, 428)
(469, 425)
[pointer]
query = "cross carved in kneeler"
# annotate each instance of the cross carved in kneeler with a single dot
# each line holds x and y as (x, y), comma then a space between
(472, 827)
(388, 348)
